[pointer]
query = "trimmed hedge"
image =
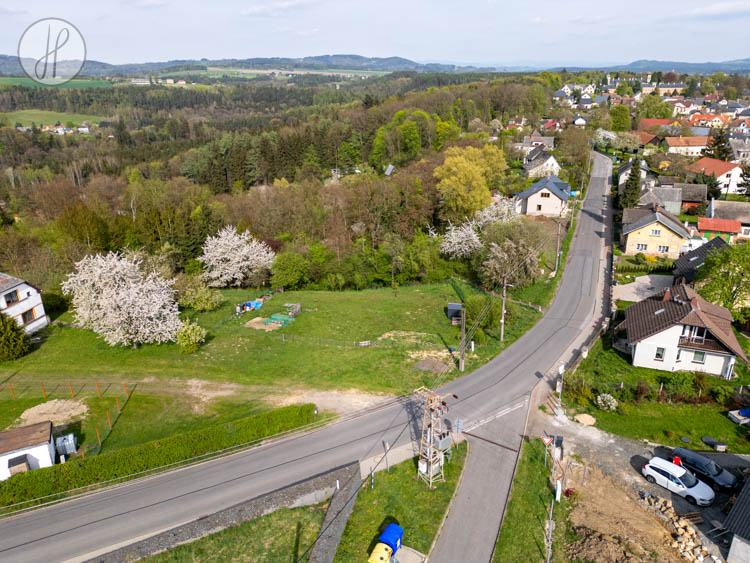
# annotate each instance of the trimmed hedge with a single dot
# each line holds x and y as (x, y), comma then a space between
(645, 268)
(81, 472)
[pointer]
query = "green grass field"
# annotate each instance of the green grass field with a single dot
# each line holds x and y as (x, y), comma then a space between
(399, 497)
(41, 117)
(522, 535)
(279, 536)
(75, 83)
(237, 354)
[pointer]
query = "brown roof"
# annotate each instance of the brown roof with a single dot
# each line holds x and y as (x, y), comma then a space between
(693, 192)
(645, 138)
(734, 210)
(631, 215)
(687, 141)
(25, 437)
(680, 305)
(712, 166)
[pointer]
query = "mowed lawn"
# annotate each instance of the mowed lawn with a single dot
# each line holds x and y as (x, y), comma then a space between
(42, 117)
(238, 354)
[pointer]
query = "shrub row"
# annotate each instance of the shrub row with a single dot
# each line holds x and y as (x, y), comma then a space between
(633, 268)
(81, 472)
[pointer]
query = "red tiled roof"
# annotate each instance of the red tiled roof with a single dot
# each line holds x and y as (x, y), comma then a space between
(712, 166)
(738, 122)
(643, 137)
(648, 122)
(687, 141)
(718, 225)
(698, 117)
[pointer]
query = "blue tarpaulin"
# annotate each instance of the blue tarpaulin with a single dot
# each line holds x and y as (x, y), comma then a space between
(254, 304)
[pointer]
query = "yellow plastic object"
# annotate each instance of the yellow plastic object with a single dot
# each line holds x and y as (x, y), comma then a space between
(381, 554)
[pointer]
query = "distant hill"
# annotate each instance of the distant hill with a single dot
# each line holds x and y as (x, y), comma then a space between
(737, 66)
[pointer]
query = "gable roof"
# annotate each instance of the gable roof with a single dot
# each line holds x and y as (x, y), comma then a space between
(552, 183)
(649, 122)
(660, 196)
(680, 304)
(536, 161)
(687, 265)
(25, 437)
(693, 192)
(8, 282)
(720, 225)
(668, 180)
(712, 166)
(659, 216)
(644, 138)
(686, 141)
(735, 210)
(632, 214)
(625, 168)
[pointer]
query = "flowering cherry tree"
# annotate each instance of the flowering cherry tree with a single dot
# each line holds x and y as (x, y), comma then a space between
(501, 211)
(230, 257)
(112, 297)
(460, 241)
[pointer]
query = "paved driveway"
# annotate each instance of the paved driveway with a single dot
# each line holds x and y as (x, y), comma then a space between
(642, 287)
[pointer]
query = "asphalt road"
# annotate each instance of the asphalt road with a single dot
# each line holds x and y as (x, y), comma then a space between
(82, 528)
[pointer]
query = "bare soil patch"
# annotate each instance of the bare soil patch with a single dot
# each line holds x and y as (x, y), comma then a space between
(340, 402)
(257, 324)
(612, 525)
(405, 336)
(439, 355)
(206, 391)
(429, 364)
(585, 419)
(58, 411)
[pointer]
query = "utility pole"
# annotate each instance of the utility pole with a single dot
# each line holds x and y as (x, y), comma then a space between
(557, 254)
(435, 440)
(502, 317)
(462, 359)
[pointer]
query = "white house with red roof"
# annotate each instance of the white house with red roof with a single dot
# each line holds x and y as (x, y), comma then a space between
(728, 174)
(741, 126)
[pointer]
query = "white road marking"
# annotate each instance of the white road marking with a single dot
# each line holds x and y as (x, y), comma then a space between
(473, 425)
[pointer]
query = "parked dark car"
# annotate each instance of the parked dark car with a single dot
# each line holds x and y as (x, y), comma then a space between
(706, 469)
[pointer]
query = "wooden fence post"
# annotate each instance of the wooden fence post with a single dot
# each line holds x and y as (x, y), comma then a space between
(12, 393)
(117, 401)
(98, 437)
(124, 386)
(43, 391)
(97, 390)
(72, 396)
(109, 421)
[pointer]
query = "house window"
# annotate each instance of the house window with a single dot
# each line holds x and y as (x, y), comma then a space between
(641, 246)
(538, 207)
(655, 232)
(663, 248)
(699, 357)
(11, 298)
(679, 353)
(545, 194)
(27, 316)
(659, 357)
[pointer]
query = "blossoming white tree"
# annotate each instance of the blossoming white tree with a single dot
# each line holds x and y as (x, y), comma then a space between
(112, 297)
(501, 211)
(230, 257)
(460, 241)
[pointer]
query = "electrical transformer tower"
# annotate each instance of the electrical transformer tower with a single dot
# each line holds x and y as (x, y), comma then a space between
(435, 440)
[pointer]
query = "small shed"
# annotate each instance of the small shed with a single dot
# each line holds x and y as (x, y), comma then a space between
(454, 310)
(25, 448)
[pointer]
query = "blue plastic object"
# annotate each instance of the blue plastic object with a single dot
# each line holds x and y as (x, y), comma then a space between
(745, 412)
(392, 537)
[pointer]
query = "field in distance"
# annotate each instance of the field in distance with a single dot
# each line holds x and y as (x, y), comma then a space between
(75, 83)
(41, 117)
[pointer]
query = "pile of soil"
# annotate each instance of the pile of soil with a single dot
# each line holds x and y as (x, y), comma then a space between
(585, 419)
(595, 546)
(257, 324)
(58, 411)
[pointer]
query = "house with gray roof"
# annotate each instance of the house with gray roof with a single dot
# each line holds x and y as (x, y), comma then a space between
(668, 198)
(734, 211)
(540, 163)
(654, 233)
(549, 196)
(686, 266)
(678, 330)
(740, 150)
(22, 302)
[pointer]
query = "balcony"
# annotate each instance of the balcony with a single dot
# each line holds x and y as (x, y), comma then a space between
(697, 343)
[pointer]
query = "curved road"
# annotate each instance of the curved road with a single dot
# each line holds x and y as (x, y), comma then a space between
(84, 527)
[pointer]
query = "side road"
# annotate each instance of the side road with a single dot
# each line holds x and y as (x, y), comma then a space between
(479, 503)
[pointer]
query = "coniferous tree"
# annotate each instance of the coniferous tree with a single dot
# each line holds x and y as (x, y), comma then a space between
(718, 146)
(632, 193)
(14, 342)
(713, 190)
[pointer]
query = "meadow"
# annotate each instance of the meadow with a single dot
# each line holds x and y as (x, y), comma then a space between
(42, 117)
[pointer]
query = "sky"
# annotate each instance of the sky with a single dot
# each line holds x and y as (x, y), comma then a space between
(488, 32)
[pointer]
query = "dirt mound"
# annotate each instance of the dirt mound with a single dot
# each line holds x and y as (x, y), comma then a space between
(585, 419)
(340, 402)
(58, 411)
(594, 546)
(257, 324)
(207, 391)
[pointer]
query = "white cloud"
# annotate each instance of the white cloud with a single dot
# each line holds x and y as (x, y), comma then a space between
(307, 32)
(146, 4)
(9, 12)
(719, 9)
(278, 8)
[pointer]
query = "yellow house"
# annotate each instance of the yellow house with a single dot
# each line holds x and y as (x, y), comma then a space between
(655, 233)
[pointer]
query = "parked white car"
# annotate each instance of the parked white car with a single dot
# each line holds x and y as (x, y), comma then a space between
(678, 480)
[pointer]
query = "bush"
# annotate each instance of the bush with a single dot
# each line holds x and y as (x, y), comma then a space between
(640, 258)
(190, 337)
(722, 393)
(193, 293)
(127, 461)
(54, 303)
(606, 402)
(617, 251)
(289, 270)
(480, 337)
(14, 342)
(679, 384)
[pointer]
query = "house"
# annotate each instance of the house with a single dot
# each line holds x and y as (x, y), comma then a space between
(683, 107)
(530, 142)
(624, 172)
(693, 195)
(670, 199)
(712, 228)
(549, 196)
(551, 125)
(601, 100)
(709, 119)
(654, 233)
(540, 163)
(588, 89)
(645, 138)
(740, 150)
(647, 123)
(579, 120)
(686, 266)
(585, 102)
(23, 302)
(737, 523)
(83, 130)
(668, 181)
(733, 210)
(741, 126)
(678, 330)
(728, 174)
(25, 448)
(688, 146)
